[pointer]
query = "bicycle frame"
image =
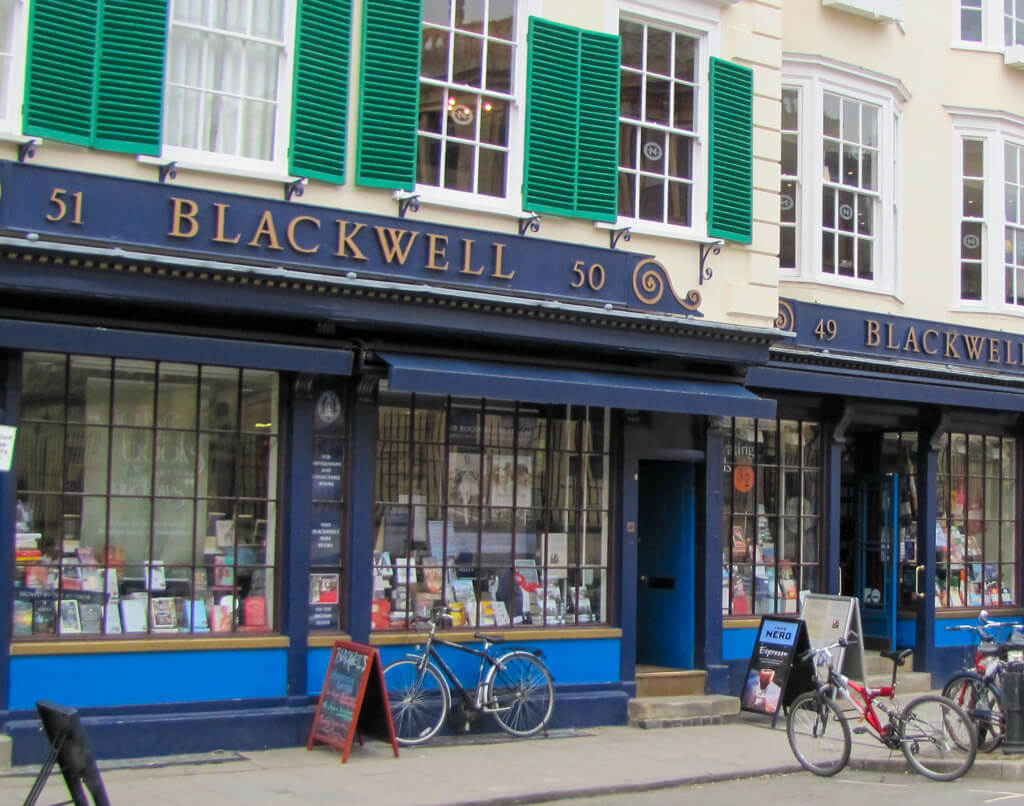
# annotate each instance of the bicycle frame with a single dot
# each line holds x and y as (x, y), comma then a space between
(843, 685)
(430, 652)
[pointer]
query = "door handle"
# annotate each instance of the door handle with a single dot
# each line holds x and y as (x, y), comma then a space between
(840, 582)
(917, 582)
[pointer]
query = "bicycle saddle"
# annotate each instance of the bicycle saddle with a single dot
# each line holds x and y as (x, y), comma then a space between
(491, 639)
(897, 655)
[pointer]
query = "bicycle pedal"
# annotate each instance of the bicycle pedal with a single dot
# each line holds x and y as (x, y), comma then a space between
(860, 729)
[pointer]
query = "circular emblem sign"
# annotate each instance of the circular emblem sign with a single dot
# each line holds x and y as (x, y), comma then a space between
(971, 241)
(462, 115)
(743, 478)
(845, 212)
(652, 151)
(328, 407)
(786, 202)
(872, 596)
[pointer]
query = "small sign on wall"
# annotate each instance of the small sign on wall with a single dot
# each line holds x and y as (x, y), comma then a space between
(7, 435)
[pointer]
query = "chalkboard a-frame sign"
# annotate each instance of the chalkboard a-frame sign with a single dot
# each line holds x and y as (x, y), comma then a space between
(353, 701)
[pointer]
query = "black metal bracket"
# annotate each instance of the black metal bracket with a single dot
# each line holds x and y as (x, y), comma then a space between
(168, 171)
(616, 234)
(530, 222)
(27, 149)
(706, 250)
(407, 203)
(294, 188)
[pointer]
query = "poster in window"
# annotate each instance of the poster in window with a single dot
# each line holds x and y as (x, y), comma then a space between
(511, 482)
(557, 554)
(463, 484)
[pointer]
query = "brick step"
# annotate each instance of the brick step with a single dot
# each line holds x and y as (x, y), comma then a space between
(682, 711)
(657, 681)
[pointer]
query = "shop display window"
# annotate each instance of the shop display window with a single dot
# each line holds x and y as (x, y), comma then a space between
(975, 527)
(146, 498)
(498, 510)
(772, 515)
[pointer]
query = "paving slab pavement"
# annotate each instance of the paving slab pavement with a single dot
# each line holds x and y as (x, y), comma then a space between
(469, 770)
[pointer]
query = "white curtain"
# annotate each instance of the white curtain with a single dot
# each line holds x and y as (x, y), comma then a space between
(223, 64)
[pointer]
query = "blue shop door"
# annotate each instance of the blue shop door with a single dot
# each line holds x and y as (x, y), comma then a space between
(665, 564)
(877, 569)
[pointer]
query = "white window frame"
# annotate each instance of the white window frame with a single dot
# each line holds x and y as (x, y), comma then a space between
(700, 19)
(814, 76)
(798, 186)
(10, 118)
(512, 203)
(216, 162)
(995, 129)
(991, 27)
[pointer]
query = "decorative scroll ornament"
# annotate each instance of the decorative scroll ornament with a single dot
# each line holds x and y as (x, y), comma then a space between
(650, 281)
(786, 319)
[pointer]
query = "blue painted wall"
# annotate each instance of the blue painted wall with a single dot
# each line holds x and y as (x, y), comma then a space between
(574, 662)
(737, 644)
(139, 678)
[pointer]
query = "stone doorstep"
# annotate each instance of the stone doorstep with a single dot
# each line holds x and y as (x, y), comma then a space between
(670, 682)
(5, 752)
(682, 711)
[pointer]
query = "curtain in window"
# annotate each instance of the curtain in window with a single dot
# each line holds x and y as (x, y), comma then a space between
(222, 77)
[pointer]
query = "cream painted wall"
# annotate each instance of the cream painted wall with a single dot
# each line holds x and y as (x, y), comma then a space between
(922, 55)
(744, 286)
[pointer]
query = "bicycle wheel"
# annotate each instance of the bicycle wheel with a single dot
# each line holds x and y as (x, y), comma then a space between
(519, 693)
(938, 738)
(419, 700)
(980, 699)
(818, 734)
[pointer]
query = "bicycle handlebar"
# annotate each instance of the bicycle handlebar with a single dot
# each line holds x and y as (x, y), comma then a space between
(844, 641)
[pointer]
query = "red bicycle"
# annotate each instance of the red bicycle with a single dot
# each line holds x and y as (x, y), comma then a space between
(936, 736)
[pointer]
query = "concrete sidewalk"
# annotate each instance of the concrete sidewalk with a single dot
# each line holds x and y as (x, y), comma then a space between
(487, 769)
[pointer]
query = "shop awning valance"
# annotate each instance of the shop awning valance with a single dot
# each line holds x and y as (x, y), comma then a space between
(86, 340)
(542, 384)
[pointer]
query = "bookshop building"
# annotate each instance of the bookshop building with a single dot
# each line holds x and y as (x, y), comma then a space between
(247, 428)
(916, 426)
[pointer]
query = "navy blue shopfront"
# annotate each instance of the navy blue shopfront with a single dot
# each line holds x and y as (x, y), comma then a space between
(923, 479)
(327, 332)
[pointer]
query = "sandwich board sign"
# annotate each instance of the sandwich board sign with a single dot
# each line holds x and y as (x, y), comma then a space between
(354, 700)
(829, 618)
(774, 677)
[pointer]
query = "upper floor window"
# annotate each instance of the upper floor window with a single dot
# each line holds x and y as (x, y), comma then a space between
(989, 199)
(467, 95)
(12, 63)
(227, 71)
(850, 197)
(990, 23)
(658, 130)
(789, 191)
(841, 124)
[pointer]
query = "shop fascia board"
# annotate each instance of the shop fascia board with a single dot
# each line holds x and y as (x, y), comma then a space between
(751, 343)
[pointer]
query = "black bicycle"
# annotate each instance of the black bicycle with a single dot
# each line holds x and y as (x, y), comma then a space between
(513, 685)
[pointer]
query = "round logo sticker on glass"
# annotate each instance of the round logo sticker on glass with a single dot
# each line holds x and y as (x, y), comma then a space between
(652, 151)
(462, 115)
(743, 478)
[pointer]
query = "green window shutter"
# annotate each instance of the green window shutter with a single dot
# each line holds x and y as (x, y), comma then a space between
(320, 94)
(731, 152)
(129, 95)
(572, 107)
(60, 78)
(389, 94)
